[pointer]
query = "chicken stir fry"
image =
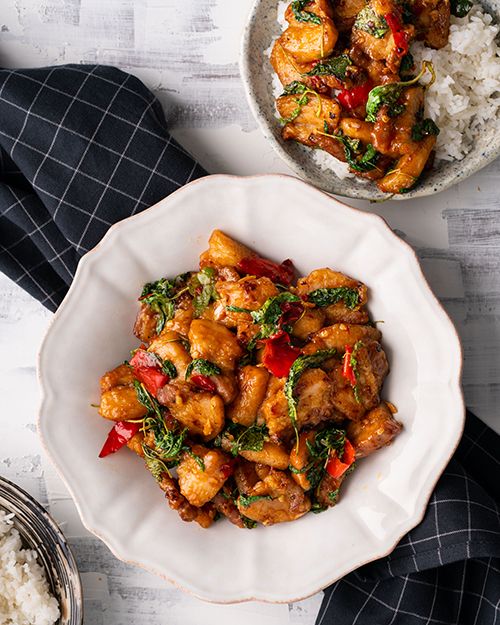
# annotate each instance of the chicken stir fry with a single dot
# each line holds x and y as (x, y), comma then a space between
(351, 88)
(252, 394)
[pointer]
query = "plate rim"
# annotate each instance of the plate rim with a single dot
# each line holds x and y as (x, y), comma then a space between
(411, 522)
(363, 193)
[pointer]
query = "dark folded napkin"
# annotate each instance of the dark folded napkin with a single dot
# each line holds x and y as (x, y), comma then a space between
(82, 147)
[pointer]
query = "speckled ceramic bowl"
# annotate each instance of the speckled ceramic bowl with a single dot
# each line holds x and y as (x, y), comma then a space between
(261, 30)
(40, 532)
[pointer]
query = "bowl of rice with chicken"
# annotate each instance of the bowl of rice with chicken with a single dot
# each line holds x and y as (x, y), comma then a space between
(376, 99)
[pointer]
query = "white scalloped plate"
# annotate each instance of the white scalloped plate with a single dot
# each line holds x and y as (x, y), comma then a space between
(385, 497)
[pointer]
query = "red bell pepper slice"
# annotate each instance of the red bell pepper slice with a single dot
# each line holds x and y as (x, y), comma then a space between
(398, 33)
(279, 355)
(147, 370)
(204, 382)
(335, 466)
(347, 370)
(292, 312)
(119, 435)
(357, 96)
(262, 267)
(143, 358)
(152, 378)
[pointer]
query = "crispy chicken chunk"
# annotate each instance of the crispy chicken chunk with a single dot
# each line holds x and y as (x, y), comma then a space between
(432, 21)
(253, 384)
(201, 412)
(327, 492)
(212, 341)
(202, 473)
(338, 335)
(307, 41)
(307, 121)
(249, 293)
(371, 369)
(169, 346)
(311, 321)
(345, 13)
(328, 279)
(271, 454)
(313, 394)
(119, 376)
(121, 404)
(280, 499)
(204, 516)
(376, 429)
(145, 324)
(223, 250)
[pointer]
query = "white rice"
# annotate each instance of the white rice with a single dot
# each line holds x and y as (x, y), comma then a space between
(24, 592)
(466, 94)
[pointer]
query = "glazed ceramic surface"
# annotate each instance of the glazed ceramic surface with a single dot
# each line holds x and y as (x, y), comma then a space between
(119, 501)
(40, 532)
(261, 30)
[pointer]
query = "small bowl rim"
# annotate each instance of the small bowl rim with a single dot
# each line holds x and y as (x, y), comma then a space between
(58, 548)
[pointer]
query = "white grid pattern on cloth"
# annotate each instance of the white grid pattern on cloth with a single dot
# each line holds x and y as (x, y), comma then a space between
(120, 125)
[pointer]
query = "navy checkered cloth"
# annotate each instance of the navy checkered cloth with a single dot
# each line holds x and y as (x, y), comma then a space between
(82, 147)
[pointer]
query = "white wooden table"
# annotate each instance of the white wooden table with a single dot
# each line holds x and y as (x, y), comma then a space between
(187, 53)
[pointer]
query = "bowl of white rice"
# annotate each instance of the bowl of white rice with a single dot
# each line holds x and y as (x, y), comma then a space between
(39, 581)
(464, 101)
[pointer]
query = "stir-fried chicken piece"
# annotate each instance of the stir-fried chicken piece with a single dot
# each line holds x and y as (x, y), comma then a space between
(212, 341)
(285, 66)
(373, 36)
(345, 13)
(119, 376)
(226, 386)
(145, 326)
(300, 458)
(182, 319)
(224, 251)
(202, 473)
(338, 335)
(313, 398)
(121, 404)
(408, 168)
(169, 346)
(376, 429)
(224, 504)
(327, 492)
(371, 369)
(201, 412)
(311, 321)
(308, 41)
(204, 516)
(245, 476)
(274, 499)
(307, 121)
(328, 279)
(271, 454)
(274, 410)
(135, 444)
(253, 384)
(249, 293)
(432, 21)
